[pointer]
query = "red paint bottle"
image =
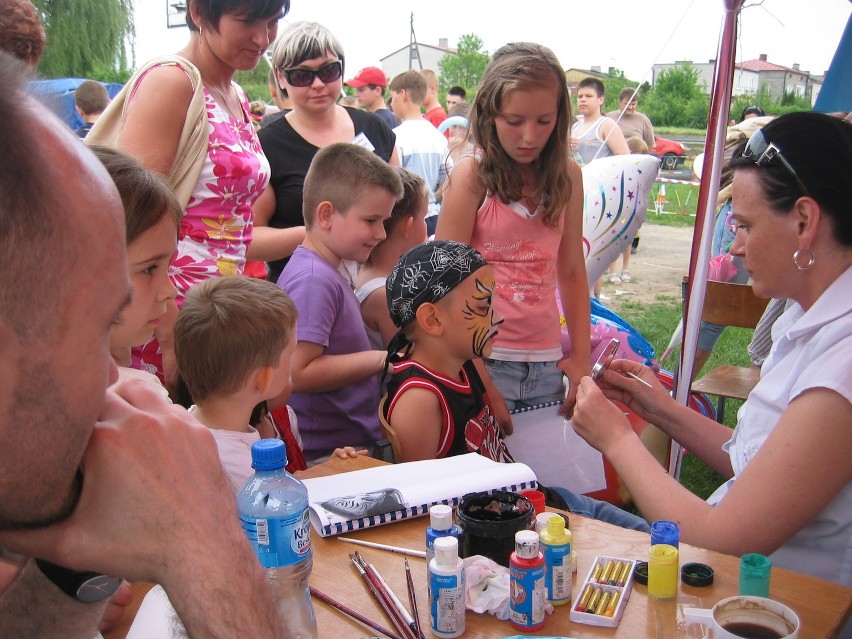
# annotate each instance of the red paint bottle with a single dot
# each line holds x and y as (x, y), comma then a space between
(527, 592)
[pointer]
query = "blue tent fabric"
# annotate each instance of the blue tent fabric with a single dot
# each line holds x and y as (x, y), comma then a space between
(58, 96)
(836, 91)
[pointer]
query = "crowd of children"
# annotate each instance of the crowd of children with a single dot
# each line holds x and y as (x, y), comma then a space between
(422, 315)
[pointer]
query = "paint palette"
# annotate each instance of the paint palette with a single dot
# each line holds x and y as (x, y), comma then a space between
(603, 595)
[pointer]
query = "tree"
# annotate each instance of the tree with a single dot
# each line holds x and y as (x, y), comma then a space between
(255, 82)
(677, 100)
(465, 68)
(87, 38)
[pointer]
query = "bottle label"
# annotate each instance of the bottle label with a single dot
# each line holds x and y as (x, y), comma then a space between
(279, 541)
(446, 603)
(557, 561)
(527, 596)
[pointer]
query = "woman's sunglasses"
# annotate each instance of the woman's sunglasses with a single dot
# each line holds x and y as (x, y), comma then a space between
(299, 77)
(762, 152)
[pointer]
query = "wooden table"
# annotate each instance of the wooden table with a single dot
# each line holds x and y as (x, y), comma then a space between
(823, 607)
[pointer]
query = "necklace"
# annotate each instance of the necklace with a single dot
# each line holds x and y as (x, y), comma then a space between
(224, 103)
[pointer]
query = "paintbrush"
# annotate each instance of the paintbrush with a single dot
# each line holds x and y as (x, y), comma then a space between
(357, 616)
(382, 597)
(397, 549)
(638, 379)
(412, 600)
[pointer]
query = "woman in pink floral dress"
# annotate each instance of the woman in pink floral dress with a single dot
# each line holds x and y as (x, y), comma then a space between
(184, 116)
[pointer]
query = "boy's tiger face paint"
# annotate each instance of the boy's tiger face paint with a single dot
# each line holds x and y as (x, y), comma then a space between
(479, 319)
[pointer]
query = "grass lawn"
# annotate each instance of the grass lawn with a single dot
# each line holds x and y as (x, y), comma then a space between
(680, 205)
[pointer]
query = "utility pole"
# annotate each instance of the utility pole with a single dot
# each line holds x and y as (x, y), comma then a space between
(413, 48)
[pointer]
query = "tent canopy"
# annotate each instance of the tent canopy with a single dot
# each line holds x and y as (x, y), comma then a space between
(836, 92)
(58, 96)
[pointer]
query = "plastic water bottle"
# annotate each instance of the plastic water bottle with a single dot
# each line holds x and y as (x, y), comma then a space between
(273, 509)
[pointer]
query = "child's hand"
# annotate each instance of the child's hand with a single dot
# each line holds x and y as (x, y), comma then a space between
(122, 598)
(348, 452)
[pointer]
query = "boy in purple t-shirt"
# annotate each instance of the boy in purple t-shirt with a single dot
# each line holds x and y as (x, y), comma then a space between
(348, 194)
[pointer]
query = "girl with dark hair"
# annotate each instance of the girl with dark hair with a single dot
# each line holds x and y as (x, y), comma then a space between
(185, 118)
(789, 488)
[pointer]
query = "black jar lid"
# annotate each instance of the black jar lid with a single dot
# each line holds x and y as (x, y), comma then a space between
(640, 573)
(695, 574)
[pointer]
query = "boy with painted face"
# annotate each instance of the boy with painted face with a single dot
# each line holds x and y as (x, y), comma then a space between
(439, 295)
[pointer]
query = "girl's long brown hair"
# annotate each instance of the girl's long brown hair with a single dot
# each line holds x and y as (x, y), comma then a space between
(523, 66)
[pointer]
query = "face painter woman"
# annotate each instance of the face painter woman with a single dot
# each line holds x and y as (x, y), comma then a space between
(787, 462)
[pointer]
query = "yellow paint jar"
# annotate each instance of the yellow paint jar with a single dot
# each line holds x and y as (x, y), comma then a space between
(662, 571)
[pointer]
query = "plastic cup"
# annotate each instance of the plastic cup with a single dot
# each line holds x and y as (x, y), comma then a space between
(537, 499)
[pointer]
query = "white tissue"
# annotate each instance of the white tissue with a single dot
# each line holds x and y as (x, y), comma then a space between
(486, 587)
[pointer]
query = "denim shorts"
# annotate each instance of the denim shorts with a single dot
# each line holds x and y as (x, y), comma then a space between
(708, 335)
(602, 511)
(524, 384)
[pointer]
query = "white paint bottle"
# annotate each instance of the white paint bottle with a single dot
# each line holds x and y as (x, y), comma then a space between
(446, 589)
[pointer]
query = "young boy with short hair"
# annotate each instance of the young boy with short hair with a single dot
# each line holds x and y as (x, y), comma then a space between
(349, 192)
(432, 109)
(595, 136)
(422, 148)
(90, 99)
(405, 228)
(233, 343)
(370, 84)
(440, 296)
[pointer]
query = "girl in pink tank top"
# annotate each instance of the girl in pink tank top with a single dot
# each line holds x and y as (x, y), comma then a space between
(519, 201)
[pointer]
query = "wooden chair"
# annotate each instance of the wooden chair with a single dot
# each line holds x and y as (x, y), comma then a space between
(389, 433)
(731, 305)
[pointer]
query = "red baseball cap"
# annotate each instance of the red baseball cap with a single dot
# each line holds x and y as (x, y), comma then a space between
(368, 75)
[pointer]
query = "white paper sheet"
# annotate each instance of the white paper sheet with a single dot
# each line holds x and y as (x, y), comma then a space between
(547, 443)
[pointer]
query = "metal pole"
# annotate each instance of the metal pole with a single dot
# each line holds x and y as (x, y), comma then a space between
(699, 261)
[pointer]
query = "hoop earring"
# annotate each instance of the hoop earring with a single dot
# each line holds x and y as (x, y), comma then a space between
(799, 255)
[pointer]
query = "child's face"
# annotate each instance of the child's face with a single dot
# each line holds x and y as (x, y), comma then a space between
(148, 260)
(282, 383)
(473, 321)
(525, 122)
(588, 101)
(354, 233)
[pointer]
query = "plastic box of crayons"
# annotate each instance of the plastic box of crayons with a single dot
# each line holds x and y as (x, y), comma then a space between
(603, 595)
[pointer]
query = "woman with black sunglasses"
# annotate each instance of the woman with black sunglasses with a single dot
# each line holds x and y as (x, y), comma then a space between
(789, 488)
(308, 62)
(184, 117)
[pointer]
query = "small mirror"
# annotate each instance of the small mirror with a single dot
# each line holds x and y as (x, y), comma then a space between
(605, 359)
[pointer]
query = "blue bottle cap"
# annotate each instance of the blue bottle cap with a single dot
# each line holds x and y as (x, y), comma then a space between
(268, 454)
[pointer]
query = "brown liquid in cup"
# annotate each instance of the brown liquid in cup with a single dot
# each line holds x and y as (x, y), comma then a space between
(748, 630)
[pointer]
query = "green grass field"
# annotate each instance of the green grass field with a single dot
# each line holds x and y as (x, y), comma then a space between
(681, 203)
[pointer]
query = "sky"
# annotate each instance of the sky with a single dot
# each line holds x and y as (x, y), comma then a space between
(631, 35)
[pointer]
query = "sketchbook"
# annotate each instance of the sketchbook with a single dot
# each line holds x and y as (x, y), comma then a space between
(376, 496)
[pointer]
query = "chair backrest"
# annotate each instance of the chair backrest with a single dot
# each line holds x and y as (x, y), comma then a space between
(732, 304)
(389, 433)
